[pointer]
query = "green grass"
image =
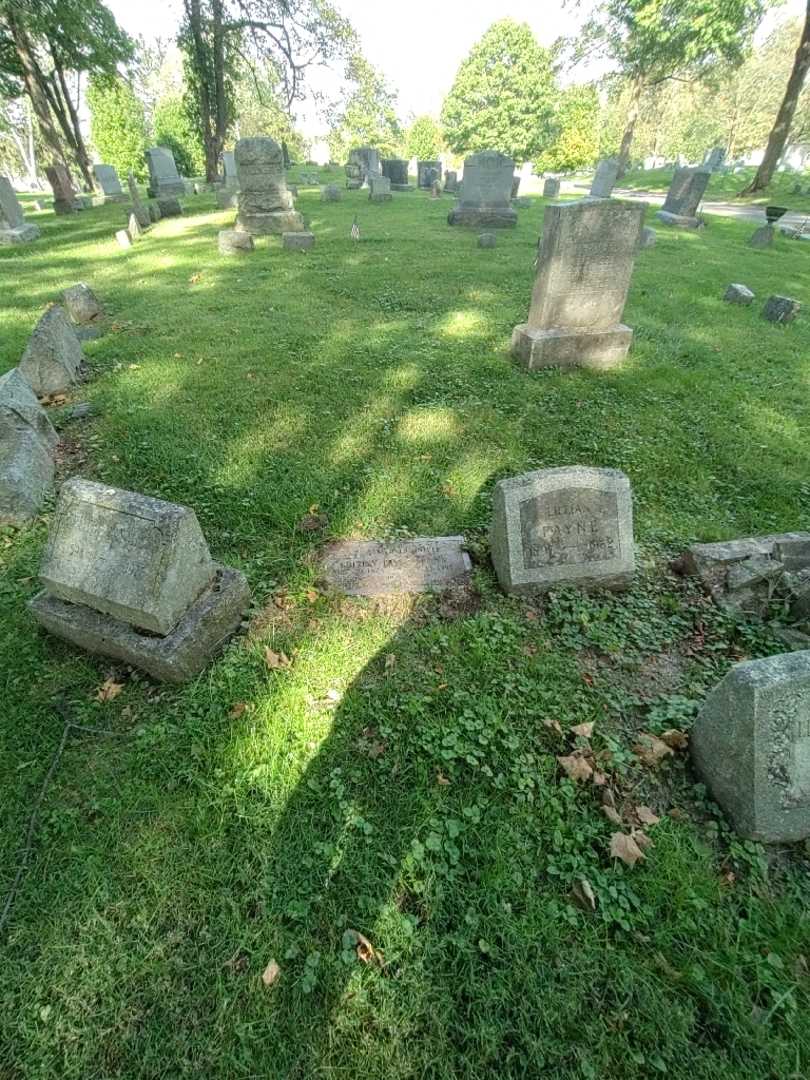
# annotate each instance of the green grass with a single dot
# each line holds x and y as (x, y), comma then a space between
(726, 186)
(417, 799)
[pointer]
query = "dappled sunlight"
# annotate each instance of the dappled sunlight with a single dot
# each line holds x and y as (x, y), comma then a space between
(424, 426)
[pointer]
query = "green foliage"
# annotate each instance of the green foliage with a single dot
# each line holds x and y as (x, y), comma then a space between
(117, 125)
(174, 129)
(367, 116)
(260, 111)
(424, 141)
(503, 97)
(576, 132)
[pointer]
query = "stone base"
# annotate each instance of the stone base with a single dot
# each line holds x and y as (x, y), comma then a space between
(179, 656)
(24, 235)
(298, 241)
(384, 196)
(354, 185)
(270, 224)
(678, 220)
(232, 242)
(166, 190)
(475, 218)
(402, 187)
(569, 349)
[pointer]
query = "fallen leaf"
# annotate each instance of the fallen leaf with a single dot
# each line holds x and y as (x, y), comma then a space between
(585, 730)
(678, 740)
(599, 779)
(651, 750)
(646, 816)
(442, 780)
(108, 690)
(576, 767)
(390, 661)
(583, 895)
(642, 839)
(587, 679)
(237, 710)
(366, 952)
(271, 973)
(311, 595)
(195, 279)
(612, 814)
(313, 522)
(553, 725)
(276, 660)
(624, 847)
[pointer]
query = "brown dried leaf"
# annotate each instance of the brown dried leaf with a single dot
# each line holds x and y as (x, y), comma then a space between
(366, 952)
(195, 279)
(612, 814)
(624, 847)
(599, 779)
(651, 750)
(390, 661)
(576, 767)
(585, 730)
(646, 816)
(108, 690)
(642, 839)
(553, 725)
(271, 973)
(676, 739)
(275, 660)
(237, 710)
(583, 895)
(442, 780)
(313, 522)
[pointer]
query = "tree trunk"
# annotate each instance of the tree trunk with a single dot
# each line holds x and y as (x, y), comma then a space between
(784, 118)
(33, 87)
(204, 103)
(219, 83)
(630, 127)
(82, 157)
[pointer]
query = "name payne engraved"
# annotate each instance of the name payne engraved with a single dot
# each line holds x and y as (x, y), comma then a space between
(380, 567)
(572, 525)
(799, 791)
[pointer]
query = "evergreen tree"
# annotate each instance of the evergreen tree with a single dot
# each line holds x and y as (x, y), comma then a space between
(118, 125)
(576, 127)
(174, 129)
(424, 141)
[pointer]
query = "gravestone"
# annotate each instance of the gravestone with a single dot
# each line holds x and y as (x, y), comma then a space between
(133, 228)
(781, 309)
(763, 237)
(27, 442)
(379, 189)
(82, 304)
(164, 179)
(486, 191)
(715, 158)
(738, 294)
(648, 237)
(228, 199)
(751, 746)
(427, 172)
(265, 204)
(563, 527)
(684, 196)
(331, 193)
(515, 186)
(231, 177)
(604, 180)
(451, 182)
(396, 170)
(367, 162)
(13, 226)
(107, 179)
(123, 239)
(154, 213)
(169, 206)
(551, 188)
(487, 240)
(231, 242)
(297, 241)
(585, 263)
(53, 357)
(140, 211)
(117, 564)
(354, 174)
(64, 197)
(385, 567)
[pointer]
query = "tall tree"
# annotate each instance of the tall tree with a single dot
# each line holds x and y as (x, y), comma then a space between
(367, 116)
(118, 125)
(576, 132)
(784, 118)
(424, 141)
(504, 95)
(651, 41)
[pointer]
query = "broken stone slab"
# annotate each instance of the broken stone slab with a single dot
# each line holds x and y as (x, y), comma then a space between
(228, 199)
(133, 228)
(763, 237)
(648, 237)
(26, 475)
(20, 410)
(131, 556)
(487, 240)
(386, 567)
(169, 207)
(750, 586)
(679, 221)
(781, 309)
(123, 239)
(742, 575)
(563, 527)
(797, 588)
(182, 654)
(53, 358)
(738, 294)
(751, 746)
(231, 242)
(82, 304)
(298, 241)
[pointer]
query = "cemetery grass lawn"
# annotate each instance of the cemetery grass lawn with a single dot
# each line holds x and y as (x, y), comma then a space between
(725, 187)
(399, 777)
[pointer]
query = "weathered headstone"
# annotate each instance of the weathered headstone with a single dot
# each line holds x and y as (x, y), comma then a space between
(123, 239)
(396, 169)
(585, 263)
(53, 357)
(751, 746)
(487, 240)
(385, 567)
(486, 192)
(427, 172)
(738, 294)
(228, 199)
(107, 179)
(265, 204)
(13, 227)
(684, 196)
(331, 193)
(781, 309)
(169, 207)
(140, 211)
(297, 241)
(648, 237)
(515, 186)
(715, 158)
(563, 527)
(153, 210)
(605, 177)
(164, 179)
(367, 163)
(354, 174)
(551, 188)
(118, 563)
(379, 189)
(232, 242)
(763, 237)
(27, 441)
(64, 197)
(451, 182)
(231, 177)
(133, 228)
(82, 304)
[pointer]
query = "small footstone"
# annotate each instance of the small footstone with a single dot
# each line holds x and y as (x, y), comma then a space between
(487, 240)
(82, 304)
(648, 237)
(563, 527)
(53, 356)
(170, 207)
(763, 237)
(232, 242)
(738, 294)
(227, 199)
(133, 228)
(781, 309)
(387, 567)
(751, 746)
(27, 441)
(331, 193)
(551, 188)
(123, 238)
(298, 241)
(153, 212)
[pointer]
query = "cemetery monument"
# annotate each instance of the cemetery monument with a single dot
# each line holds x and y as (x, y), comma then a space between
(265, 204)
(13, 227)
(486, 191)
